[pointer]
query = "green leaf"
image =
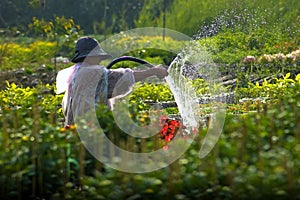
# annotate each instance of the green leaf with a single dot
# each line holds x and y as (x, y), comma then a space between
(297, 78)
(287, 75)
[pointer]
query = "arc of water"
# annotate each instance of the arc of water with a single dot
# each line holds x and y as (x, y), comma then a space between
(186, 97)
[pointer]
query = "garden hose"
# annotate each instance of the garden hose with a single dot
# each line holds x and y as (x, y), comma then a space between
(128, 58)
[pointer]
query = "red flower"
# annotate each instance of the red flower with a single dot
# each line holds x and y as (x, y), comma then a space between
(169, 129)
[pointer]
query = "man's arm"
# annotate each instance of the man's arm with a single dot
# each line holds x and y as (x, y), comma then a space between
(158, 71)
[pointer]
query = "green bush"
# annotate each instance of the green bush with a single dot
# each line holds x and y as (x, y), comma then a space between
(231, 47)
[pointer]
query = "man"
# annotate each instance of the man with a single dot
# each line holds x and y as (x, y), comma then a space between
(87, 78)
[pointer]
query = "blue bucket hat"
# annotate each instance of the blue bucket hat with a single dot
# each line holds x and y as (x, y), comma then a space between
(87, 46)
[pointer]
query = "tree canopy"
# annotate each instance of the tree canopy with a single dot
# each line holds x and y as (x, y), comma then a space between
(94, 16)
(105, 17)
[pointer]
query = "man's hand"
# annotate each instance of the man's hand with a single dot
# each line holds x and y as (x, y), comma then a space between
(160, 71)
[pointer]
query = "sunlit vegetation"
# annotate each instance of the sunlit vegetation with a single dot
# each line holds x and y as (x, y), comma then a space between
(254, 43)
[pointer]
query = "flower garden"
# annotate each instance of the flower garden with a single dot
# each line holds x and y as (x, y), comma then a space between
(256, 157)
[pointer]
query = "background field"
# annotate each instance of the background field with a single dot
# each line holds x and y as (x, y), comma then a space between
(255, 45)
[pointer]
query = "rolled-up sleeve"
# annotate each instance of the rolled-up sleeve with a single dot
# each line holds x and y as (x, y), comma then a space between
(120, 82)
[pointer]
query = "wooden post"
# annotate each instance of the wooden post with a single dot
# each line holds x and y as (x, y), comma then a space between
(164, 20)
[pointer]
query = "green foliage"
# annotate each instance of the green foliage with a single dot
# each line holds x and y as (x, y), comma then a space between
(231, 30)
(188, 17)
(51, 29)
(102, 16)
(270, 89)
(273, 131)
(15, 56)
(231, 47)
(151, 92)
(59, 35)
(150, 12)
(61, 30)
(257, 153)
(256, 157)
(256, 96)
(108, 17)
(32, 53)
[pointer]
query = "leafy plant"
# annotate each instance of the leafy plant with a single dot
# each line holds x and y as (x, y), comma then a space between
(61, 30)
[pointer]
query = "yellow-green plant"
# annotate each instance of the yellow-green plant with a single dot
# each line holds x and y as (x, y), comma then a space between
(27, 56)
